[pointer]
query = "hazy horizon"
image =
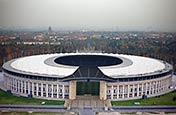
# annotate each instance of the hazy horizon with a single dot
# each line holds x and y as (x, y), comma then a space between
(113, 15)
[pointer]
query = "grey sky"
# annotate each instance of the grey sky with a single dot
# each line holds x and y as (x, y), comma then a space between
(94, 14)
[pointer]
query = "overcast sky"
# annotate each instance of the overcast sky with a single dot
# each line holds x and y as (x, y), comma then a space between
(93, 14)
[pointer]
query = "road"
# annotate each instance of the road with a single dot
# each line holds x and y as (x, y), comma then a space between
(87, 111)
(144, 108)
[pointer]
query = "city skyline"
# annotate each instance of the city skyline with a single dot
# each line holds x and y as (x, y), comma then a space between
(117, 15)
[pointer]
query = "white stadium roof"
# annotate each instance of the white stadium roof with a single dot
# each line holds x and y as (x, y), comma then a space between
(36, 65)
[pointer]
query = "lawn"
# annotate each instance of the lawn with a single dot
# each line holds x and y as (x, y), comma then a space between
(6, 98)
(167, 99)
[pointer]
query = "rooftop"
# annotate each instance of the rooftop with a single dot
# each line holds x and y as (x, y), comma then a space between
(65, 64)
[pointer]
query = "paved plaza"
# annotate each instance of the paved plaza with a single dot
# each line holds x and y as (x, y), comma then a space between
(88, 102)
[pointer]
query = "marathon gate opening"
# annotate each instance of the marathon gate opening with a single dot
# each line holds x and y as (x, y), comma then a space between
(87, 88)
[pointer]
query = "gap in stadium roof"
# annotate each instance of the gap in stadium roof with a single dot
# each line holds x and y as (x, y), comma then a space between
(88, 60)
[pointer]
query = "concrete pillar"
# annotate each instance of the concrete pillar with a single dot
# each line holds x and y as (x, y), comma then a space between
(138, 90)
(29, 89)
(128, 95)
(19, 86)
(150, 88)
(57, 91)
(32, 88)
(12, 84)
(103, 90)
(15, 85)
(117, 91)
(52, 90)
(142, 89)
(133, 89)
(46, 89)
(112, 91)
(157, 87)
(41, 89)
(153, 84)
(72, 90)
(146, 88)
(123, 91)
(63, 91)
(24, 87)
(37, 88)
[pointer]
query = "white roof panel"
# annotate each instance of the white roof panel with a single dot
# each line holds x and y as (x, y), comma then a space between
(140, 65)
(35, 64)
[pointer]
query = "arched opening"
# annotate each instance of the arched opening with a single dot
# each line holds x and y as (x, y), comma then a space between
(88, 88)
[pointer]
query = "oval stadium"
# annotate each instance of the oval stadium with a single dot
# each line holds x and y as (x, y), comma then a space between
(68, 75)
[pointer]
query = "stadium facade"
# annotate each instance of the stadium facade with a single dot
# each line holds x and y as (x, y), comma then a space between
(109, 76)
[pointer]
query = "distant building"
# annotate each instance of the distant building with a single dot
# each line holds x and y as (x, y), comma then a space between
(49, 29)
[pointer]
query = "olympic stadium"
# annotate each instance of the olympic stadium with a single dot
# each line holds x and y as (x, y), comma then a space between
(68, 75)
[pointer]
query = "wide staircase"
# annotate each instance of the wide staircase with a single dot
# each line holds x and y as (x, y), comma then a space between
(87, 101)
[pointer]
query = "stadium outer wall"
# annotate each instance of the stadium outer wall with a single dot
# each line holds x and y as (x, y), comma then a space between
(54, 90)
(46, 88)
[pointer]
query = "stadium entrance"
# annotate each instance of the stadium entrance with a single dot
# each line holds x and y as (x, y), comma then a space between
(87, 88)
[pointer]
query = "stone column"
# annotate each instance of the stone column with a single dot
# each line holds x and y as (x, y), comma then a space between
(164, 84)
(150, 87)
(153, 84)
(29, 88)
(133, 89)
(12, 84)
(146, 88)
(47, 90)
(32, 88)
(24, 87)
(16, 85)
(103, 89)
(112, 92)
(51, 90)
(142, 88)
(41, 89)
(57, 91)
(72, 90)
(157, 86)
(117, 91)
(63, 91)
(160, 86)
(128, 95)
(138, 90)
(123, 91)
(6, 82)
(21, 86)
(37, 88)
